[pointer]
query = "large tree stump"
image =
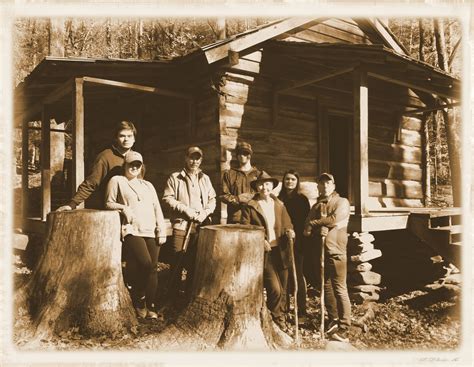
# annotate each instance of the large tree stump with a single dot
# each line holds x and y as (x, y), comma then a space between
(78, 279)
(227, 309)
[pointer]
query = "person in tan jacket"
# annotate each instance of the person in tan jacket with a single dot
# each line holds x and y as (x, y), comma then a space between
(191, 197)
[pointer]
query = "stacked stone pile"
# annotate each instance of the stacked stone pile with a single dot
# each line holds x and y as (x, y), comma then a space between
(364, 284)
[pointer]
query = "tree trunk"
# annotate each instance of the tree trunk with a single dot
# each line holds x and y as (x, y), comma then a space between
(227, 309)
(78, 279)
(421, 53)
(56, 37)
(452, 125)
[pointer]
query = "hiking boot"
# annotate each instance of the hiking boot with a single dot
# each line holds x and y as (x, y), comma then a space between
(341, 335)
(332, 327)
(141, 312)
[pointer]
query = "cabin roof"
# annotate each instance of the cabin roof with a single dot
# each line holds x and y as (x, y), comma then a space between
(379, 60)
(381, 47)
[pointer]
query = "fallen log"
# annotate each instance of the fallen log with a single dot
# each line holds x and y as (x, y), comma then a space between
(78, 279)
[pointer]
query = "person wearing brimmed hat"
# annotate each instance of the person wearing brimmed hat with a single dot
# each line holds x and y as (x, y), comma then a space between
(236, 189)
(268, 211)
(107, 164)
(143, 230)
(328, 218)
(191, 197)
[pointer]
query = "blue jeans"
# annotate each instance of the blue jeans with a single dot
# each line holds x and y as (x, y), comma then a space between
(336, 296)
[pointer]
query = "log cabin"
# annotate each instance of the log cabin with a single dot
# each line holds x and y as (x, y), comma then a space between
(312, 94)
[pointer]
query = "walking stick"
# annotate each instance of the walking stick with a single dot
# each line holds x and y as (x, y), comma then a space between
(295, 281)
(323, 248)
(323, 245)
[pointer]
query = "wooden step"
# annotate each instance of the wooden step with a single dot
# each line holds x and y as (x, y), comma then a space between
(453, 229)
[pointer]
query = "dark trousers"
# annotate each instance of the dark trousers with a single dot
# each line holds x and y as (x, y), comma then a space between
(141, 255)
(301, 281)
(275, 281)
(178, 262)
(335, 289)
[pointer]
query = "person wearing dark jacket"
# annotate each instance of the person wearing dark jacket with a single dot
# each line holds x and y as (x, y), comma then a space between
(328, 218)
(298, 207)
(268, 211)
(236, 189)
(107, 164)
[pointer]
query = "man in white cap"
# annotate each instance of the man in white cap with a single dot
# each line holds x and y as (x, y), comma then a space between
(107, 164)
(236, 189)
(328, 219)
(190, 195)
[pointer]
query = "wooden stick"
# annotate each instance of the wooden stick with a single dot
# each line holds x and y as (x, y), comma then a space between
(295, 294)
(323, 245)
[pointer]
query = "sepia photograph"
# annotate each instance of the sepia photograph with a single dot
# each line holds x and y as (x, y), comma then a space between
(239, 183)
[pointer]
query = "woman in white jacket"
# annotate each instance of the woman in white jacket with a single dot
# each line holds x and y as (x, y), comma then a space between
(143, 230)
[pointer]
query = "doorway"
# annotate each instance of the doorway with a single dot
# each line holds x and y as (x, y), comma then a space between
(340, 151)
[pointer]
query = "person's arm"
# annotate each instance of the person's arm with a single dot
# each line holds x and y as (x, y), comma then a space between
(227, 197)
(245, 217)
(307, 223)
(111, 195)
(211, 200)
(169, 197)
(288, 225)
(341, 212)
(90, 184)
(160, 231)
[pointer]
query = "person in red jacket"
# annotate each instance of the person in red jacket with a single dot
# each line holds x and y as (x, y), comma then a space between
(107, 164)
(266, 210)
(328, 218)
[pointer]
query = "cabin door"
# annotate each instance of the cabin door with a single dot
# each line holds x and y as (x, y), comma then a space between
(340, 151)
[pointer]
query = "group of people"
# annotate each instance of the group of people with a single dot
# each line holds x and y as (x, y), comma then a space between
(117, 177)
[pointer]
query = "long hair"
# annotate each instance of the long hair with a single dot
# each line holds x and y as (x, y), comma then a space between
(283, 194)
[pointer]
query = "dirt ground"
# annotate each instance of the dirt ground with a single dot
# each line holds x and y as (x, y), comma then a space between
(425, 319)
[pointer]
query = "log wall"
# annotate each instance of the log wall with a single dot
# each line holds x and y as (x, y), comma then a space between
(282, 132)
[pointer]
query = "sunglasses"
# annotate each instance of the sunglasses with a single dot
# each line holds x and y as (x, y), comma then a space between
(135, 164)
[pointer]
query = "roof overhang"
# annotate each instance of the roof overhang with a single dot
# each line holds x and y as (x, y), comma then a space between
(378, 61)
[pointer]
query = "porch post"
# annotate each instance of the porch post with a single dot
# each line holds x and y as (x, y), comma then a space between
(361, 147)
(45, 162)
(78, 134)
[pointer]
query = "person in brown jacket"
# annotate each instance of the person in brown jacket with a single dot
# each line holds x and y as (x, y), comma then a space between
(268, 211)
(236, 189)
(328, 218)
